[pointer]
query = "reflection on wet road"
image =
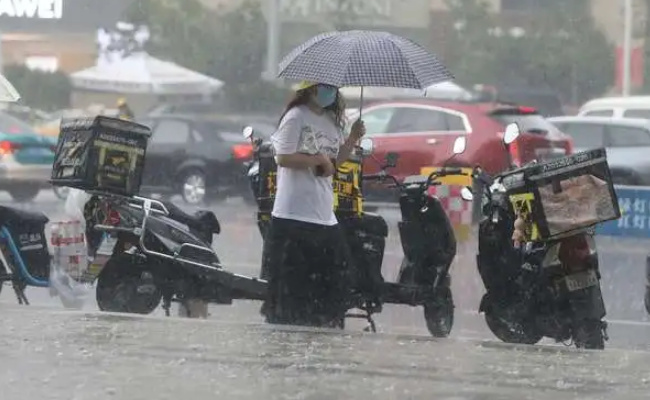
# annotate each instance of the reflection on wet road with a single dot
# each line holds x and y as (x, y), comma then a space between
(49, 353)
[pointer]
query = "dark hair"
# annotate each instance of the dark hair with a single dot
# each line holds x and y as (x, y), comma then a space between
(335, 110)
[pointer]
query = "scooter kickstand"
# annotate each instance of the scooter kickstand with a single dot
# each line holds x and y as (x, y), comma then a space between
(20, 294)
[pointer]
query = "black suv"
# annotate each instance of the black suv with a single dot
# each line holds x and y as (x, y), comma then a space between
(199, 158)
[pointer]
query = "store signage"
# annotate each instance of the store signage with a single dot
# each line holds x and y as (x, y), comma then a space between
(32, 9)
(357, 12)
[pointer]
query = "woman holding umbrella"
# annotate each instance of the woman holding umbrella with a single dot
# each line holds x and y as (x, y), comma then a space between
(306, 252)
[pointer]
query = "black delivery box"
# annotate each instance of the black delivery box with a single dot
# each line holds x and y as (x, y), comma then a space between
(102, 154)
(563, 195)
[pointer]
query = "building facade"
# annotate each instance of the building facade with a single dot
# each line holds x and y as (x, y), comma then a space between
(55, 34)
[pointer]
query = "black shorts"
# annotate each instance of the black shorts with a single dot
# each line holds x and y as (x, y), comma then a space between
(307, 266)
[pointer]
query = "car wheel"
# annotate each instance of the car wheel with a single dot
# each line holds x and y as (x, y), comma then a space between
(193, 187)
(24, 193)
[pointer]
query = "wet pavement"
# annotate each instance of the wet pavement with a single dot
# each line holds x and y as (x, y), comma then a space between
(51, 353)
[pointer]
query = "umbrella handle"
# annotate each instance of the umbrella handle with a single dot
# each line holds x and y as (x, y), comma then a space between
(361, 103)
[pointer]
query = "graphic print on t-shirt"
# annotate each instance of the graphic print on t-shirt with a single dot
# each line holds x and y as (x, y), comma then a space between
(314, 142)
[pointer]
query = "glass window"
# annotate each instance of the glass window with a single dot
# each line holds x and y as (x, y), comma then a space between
(14, 126)
(377, 121)
(599, 113)
(585, 136)
(419, 120)
(455, 123)
(171, 132)
(637, 113)
(628, 136)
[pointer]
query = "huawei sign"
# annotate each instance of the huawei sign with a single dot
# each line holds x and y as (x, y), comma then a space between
(32, 9)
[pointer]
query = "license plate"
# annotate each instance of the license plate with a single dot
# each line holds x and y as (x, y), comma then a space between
(581, 280)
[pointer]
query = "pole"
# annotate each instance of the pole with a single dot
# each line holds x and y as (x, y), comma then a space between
(273, 38)
(627, 46)
(1, 59)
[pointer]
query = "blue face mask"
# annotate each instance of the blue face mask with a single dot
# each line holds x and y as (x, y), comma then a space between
(325, 95)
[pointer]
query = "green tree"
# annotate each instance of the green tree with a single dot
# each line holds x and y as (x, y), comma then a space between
(561, 49)
(39, 89)
(229, 46)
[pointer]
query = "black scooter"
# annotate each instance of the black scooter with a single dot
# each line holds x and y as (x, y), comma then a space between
(428, 242)
(427, 239)
(534, 291)
(161, 253)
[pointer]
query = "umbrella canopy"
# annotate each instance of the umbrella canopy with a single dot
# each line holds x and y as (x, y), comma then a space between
(142, 73)
(364, 58)
(8, 94)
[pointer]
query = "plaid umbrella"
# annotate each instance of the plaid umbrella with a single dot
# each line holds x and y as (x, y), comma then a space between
(364, 58)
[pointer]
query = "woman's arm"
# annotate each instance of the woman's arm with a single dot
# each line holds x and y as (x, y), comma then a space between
(345, 151)
(298, 160)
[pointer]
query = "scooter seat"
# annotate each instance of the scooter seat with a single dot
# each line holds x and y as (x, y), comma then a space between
(202, 220)
(13, 217)
(374, 224)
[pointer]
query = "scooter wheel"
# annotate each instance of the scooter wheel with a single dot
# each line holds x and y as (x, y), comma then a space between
(439, 314)
(118, 288)
(511, 332)
(589, 334)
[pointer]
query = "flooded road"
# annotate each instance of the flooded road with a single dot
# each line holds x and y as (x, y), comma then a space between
(50, 353)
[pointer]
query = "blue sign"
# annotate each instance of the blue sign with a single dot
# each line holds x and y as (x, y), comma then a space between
(635, 209)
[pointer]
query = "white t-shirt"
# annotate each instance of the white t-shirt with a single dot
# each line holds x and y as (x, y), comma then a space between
(300, 194)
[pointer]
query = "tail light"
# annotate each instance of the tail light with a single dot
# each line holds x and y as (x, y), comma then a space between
(242, 151)
(569, 146)
(7, 147)
(515, 153)
(574, 249)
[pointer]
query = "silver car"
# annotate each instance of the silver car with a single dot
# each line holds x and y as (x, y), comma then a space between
(627, 141)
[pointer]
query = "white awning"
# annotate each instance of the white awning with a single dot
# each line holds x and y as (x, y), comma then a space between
(142, 73)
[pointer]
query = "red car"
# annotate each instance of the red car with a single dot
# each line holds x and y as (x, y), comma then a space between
(422, 131)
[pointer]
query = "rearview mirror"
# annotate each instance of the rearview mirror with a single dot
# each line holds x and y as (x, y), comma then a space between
(391, 159)
(366, 146)
(459, 145)
(466, 194)
(248, 132)
(512, 133)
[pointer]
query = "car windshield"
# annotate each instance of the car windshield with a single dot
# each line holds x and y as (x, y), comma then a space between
(14, 126)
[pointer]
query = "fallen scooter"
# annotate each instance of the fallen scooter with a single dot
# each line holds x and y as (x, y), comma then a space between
(155, 257)
(545, 288)
(424, 276)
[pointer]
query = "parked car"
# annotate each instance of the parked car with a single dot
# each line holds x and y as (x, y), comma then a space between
(627, 141)
(199, 159)
(422, 132)
(618, 107)
(25, 159)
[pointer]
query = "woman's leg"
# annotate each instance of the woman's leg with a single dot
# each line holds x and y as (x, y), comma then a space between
(328, 259)
(289, 294)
